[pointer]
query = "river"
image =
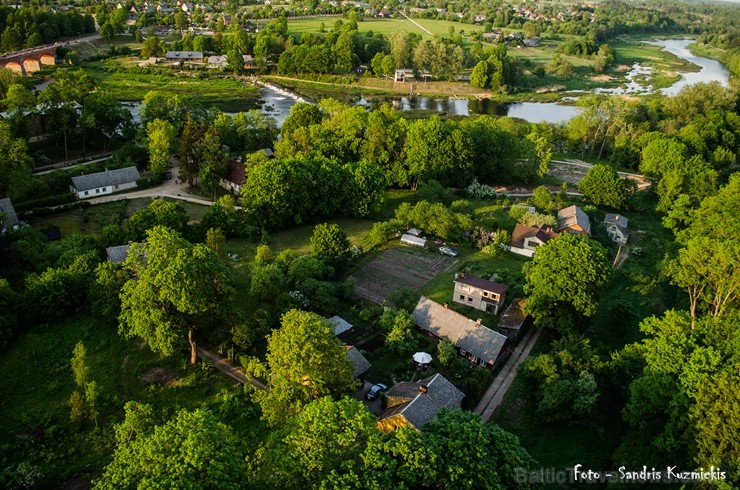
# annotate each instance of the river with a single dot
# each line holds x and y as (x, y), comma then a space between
(278, 105)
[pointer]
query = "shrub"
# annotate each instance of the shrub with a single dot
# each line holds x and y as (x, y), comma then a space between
(480, 191)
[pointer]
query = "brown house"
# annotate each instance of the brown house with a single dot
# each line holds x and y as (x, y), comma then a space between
(236, 176)
(477, 343)
(574, 220)
(526, 239)
(416, 404)
(481, 294)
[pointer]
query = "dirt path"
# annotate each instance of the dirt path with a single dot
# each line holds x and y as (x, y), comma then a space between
(416, 23)
(502, 382)
(228, 368)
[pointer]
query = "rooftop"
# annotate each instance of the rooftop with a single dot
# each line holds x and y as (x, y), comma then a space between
(573, 215)
(105, 179)
(9, 218)
(426, 398)
(483, 284)
(359, 363)
(340, 324)
(521, 232)
(513, 318)
(118, 253)
(466, 334)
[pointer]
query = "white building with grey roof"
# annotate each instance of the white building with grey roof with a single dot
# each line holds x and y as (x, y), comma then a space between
(107, 182)
(474, 341)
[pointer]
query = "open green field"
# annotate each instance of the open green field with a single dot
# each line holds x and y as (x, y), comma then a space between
(383, 26)
(227, 94)
(101, 47)
(386, 27)
(631, 49)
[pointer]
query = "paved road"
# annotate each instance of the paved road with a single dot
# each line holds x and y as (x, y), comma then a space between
(502, 382)
(228, 368)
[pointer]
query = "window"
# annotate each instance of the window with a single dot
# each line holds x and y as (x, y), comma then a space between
(485, 294)
(105, 189)
(463, 352)
(86, 192)
(97, 191)
(494, 297)
(462, 297)
(470, 300)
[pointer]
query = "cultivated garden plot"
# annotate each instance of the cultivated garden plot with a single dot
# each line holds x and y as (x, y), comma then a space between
(398, 269)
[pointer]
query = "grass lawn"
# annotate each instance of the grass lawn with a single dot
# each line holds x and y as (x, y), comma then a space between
(631, 49)
(227, 94)
(37, 382)
(91, 219)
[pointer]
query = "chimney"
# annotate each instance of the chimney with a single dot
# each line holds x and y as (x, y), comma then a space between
(462, 275)
(477, 323)
(446, 306)
(423, 390)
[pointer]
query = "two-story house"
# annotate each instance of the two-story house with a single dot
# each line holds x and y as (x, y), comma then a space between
(479, 293)
(525, 239)
(616, 228)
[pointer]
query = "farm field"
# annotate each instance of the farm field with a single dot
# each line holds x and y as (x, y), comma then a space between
(383, 26)
(398, 269)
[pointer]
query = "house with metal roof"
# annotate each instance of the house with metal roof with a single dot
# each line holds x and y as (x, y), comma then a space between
(107, 182)
(616, 228)
(8, 218)
(416, 404)
(184, 55)
(477, 343)
(479, 293)
(340, 324)
(574, 220)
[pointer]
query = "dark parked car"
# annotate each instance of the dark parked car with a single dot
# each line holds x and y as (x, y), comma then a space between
(168, 175)
(375, 391)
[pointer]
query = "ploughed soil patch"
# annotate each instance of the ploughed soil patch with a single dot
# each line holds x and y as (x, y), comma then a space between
(159, 376)
(397, 269)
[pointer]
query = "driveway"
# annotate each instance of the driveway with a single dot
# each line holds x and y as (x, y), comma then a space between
(375, 406)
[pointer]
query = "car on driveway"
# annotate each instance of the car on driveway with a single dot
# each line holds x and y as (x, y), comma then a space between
(375, 391)
(448, 251)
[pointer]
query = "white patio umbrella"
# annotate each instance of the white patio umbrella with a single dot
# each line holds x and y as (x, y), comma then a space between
(422, 358)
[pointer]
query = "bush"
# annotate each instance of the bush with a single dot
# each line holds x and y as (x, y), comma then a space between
(47, 201)
(480, 191)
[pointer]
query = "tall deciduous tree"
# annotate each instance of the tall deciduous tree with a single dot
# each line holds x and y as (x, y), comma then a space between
(175, 286)
(564, 279)
(306, 362)
(193, 450)
(603, 187)
(160, 140)
(330, 244)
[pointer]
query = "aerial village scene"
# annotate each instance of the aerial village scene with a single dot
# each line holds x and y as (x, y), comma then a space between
(371, 244)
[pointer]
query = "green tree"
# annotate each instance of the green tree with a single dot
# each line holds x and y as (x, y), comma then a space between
(80, 367)
(174, 289)
(330, 436)
(330, 245)
(15, 166)
(200, 452)
(306, 362)
(542, 198)
(151, 47)
(603, 187)
(159, 212)
(479, 76)
(563, 281)
(493, 465)
(107, 32)
(138, 421)
(212, 156)
(160, 141)
(446, 353)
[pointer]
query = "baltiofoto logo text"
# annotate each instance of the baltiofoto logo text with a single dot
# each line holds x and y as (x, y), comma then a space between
(579, 474)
